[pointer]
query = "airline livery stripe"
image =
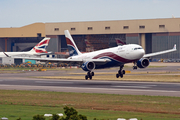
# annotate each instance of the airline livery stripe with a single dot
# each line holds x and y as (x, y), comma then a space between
(69, 42)
(113, 56)
(44, 42)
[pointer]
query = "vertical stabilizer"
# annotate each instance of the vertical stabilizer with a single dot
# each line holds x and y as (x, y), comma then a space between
(73, 50)
(119, 41)
(41, 46)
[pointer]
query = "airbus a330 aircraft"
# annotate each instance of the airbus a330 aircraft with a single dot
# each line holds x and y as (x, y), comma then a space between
(111, 57)
(39, 49)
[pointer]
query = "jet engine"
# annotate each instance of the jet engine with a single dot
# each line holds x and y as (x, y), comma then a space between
(143, 62)
(88, 66)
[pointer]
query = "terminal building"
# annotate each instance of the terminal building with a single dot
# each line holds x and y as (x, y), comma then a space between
(152, 34)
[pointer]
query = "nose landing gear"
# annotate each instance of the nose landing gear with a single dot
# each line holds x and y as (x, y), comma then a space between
(135, 66)
(89, 75)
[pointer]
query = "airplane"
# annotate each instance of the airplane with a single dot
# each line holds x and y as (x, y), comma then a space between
(38, 50)
(106, 58)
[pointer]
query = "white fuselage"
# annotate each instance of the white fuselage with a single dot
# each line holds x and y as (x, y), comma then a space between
(122, 54)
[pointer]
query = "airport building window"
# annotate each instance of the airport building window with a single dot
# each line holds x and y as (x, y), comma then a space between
(56, 29)
(107, 28)
(125, 27)
(72, 29)
(38, 34)
(90, 28)
(161, 26)
(141, 27)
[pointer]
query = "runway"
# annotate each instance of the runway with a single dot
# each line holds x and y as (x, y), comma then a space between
(23, 81)
(80, 86)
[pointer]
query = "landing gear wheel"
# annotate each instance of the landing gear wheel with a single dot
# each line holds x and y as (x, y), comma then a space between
(134, 67)
(89, 75)
(117, 75)
(120, 72)
(92, 73)
(121, 75)
(124, 72)
(86, 77)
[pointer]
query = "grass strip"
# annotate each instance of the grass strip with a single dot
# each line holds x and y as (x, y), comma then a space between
(101, 106)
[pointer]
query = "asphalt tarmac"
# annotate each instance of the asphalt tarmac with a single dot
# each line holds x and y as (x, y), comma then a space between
(80, 86)
(23, 81)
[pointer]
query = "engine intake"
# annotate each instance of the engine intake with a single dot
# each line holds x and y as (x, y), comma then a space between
(143, 63)
(88, 66)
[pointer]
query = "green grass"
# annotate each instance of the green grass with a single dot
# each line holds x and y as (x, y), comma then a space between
(25, 104)
(27, 112)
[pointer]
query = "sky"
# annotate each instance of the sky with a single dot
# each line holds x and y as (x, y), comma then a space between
(18, 13)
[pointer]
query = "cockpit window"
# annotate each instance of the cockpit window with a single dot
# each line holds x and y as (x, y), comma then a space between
(138, 48)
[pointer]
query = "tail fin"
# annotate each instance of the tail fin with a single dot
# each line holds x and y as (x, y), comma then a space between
(73, 50)
(41, 46)
(119, 42)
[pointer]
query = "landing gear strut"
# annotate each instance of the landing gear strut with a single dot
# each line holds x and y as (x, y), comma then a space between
(135, 66)
(89, 75)
(121, 72)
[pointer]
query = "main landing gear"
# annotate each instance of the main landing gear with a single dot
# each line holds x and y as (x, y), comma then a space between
(121, 72)
(89, 75)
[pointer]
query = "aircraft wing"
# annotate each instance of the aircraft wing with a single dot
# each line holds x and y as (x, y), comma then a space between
(159, 53)
(48, 53)
(68, 61)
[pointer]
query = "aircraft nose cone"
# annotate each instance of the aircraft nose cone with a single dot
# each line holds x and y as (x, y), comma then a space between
(141, 53)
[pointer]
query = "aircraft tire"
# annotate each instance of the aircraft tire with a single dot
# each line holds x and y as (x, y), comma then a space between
(134, 67)
(124, 72)
(86, 77)
(117, 75)
(121, 75)
(92, 73)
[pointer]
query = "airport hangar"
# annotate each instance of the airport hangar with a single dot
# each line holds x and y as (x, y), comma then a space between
(152, 34)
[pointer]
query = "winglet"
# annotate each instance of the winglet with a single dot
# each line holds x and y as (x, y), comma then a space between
(174, 46)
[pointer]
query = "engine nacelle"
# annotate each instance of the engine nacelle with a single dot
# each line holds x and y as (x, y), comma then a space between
(88, 66)
(143, 62)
